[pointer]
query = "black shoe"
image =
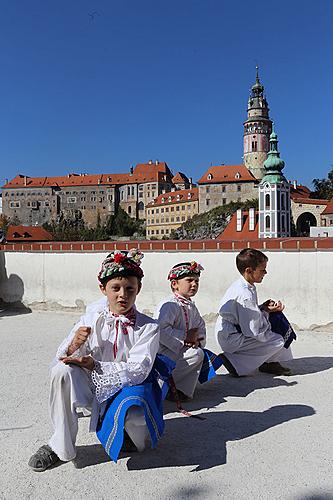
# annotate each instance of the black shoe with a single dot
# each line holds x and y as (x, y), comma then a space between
(43, 459)
(228, 365)
(274, 368)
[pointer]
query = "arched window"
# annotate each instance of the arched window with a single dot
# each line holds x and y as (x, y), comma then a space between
(267, 223)
(267, 201)
(209, 177)
(141, 206)
(129, 210)
(283, 201)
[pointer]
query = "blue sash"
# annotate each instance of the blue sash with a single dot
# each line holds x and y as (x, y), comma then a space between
(281, 325)
(211, 363)
(148, 396)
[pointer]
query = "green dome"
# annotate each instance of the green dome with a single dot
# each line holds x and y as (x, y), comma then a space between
(273, 164)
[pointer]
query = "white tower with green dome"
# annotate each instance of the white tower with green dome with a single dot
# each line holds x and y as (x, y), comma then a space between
(274, 196)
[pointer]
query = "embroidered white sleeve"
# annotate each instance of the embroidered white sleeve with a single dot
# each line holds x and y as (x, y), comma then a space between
(109, 377)
(106, 380)
(138, 372)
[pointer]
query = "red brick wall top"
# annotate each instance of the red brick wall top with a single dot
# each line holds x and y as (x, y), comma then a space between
(273, 244)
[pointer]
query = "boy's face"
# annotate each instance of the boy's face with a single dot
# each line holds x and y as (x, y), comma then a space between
(186, 287)
(256, 275)
(121, 293)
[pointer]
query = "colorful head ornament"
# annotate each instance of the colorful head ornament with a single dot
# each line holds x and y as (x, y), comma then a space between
(185, 269)
(120, 263)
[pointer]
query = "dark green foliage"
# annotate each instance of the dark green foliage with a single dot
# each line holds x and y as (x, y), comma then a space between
(323, 187)
(212, 223)
(73, 228)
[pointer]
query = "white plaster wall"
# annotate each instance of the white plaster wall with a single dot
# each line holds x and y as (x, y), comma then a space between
(303, 280)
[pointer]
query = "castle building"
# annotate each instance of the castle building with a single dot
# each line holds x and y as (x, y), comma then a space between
(169, 211)
(36, 200)
(222, 184)
(257, 129)
(274, 196)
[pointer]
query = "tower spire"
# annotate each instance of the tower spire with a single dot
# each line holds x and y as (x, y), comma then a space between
(257, 129)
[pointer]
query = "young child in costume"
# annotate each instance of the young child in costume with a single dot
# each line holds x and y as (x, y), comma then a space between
(104, 365)
(244, 330)
(182, 329)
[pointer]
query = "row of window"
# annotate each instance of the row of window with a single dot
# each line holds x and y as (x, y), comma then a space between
(166, 220)
(151, 211)
(152, 232)
(223, 188)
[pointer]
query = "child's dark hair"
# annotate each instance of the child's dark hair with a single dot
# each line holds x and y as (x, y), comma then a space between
(122, 274)
(249, 257)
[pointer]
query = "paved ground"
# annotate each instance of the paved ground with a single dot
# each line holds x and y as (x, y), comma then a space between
(263, 437)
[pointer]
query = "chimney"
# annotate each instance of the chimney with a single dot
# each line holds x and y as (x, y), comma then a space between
(239, 220)
(157, 162)
(150, 162)
(131, 170)
(25, 180)
(251, 219)
(295, 184)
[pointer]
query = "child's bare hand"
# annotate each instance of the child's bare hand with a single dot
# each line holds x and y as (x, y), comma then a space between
(84, 362)
(273, 306)
(191, 339)
(79, 339)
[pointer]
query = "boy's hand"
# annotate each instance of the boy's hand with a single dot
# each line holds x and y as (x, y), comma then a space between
(191, 339)
(84, 362)
(272, 306)
(79, 339)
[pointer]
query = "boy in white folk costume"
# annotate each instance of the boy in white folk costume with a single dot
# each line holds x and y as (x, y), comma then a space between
(243, 328)
(107, 353)
(182, 329)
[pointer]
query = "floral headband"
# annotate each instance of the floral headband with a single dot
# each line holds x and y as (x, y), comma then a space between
(185, 269)
(119, 262)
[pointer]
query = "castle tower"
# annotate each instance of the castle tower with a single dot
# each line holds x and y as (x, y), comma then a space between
(274, 196)
(257, 129)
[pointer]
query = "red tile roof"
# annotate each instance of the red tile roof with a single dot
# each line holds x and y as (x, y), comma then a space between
(143, 172)
(300, 191)
(226, 173)
(231, 233)
(27, 233)
(329, 209)
(182, 195)
(310, 201)
(180, 177)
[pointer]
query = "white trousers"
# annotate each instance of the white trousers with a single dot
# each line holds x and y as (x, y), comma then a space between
(247, 354)
(188, 366)
(71, 389)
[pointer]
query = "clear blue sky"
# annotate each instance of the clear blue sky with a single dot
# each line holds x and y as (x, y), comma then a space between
(95, 86)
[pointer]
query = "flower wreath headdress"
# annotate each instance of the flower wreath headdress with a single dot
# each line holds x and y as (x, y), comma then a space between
(185, 269)
(121, 262)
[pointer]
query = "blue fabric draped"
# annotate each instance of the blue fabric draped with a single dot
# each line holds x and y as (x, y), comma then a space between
(148, 396)
(211, 363)
(281, 325)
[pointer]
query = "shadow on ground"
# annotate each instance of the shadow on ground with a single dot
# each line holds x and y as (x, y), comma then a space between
(208, 438)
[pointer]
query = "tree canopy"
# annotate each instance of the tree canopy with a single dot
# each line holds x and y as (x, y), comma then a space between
(323, 188)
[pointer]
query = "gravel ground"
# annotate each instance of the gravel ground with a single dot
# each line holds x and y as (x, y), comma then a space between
(262, 437)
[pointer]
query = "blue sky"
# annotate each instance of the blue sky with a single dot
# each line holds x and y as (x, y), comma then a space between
(97, 86)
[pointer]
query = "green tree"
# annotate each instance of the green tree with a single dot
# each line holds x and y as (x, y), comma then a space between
(323, 188)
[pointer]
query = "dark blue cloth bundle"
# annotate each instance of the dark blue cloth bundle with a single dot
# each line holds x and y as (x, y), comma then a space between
(281, 325)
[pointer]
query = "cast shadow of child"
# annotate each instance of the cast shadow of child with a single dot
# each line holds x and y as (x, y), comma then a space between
(11, 292)
(208, 449)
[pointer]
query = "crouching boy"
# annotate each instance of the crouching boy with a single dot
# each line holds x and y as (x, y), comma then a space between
(182, 329)
(104, 365)
(243, 328)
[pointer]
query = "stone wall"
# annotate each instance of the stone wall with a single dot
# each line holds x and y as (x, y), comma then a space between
(61, 275)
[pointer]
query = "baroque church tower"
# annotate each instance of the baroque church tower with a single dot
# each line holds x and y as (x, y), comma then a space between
(257, 129)
(274, 196)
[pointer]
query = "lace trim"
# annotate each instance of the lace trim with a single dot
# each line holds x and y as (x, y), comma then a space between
(106, 380)
(138, 372)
